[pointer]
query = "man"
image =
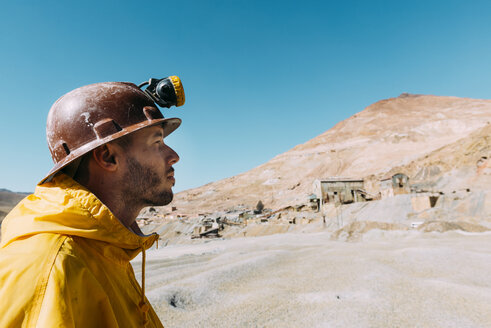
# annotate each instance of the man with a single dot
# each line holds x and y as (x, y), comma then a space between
(65, 250)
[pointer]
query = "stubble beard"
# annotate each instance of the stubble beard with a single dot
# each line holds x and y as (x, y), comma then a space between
(142, 185)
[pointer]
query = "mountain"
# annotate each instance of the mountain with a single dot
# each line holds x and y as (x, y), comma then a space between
(436, 140)
(8, 199)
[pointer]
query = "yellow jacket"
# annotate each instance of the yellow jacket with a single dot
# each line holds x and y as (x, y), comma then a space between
(65, 262)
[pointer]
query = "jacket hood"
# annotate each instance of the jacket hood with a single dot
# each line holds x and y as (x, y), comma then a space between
(63, 206)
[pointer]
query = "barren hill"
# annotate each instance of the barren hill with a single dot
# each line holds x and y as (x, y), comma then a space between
(411, 133)
(8, 199)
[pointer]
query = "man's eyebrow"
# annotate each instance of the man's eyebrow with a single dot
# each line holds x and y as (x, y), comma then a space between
(158, 134)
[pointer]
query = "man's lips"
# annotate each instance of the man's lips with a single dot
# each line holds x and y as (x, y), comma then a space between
(170, 175)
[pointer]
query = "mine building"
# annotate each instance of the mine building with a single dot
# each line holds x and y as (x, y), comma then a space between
(338, 190)
(395, 185)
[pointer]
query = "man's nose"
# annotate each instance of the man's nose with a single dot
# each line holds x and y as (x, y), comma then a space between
(172, 157)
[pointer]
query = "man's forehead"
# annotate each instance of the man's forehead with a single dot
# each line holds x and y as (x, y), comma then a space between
(156, 129)
(146, 134)
(150, 131)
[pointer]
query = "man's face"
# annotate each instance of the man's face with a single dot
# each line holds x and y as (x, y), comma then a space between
(148, 173)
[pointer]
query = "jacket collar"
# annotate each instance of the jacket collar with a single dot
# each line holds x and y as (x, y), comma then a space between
(65, 207)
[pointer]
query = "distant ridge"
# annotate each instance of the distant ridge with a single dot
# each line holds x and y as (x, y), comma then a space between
(15, 192)
(8, 199)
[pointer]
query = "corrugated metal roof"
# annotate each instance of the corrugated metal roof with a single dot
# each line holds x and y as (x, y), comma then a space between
(340, 179)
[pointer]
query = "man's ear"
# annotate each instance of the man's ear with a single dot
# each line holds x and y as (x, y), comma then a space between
(106, 157)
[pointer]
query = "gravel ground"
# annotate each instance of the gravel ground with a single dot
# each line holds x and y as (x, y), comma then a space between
(387, 279)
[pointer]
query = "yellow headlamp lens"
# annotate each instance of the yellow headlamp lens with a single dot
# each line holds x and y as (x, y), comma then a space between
(176, 82)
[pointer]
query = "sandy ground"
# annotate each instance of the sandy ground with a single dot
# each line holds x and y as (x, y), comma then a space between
(388, 279)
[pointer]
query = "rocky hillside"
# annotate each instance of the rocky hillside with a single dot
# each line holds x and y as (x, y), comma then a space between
(8, 199)
(464, 164)
(441, 142)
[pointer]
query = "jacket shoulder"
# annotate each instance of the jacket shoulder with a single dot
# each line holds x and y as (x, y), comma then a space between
(74, 293)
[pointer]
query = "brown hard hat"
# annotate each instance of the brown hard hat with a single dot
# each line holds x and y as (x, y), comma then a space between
(95, 114)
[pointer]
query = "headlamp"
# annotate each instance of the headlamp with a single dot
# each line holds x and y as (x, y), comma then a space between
(165, 92)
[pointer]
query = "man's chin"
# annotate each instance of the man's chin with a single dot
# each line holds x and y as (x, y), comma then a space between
(166, 198)
(162, 199)
(167, 202)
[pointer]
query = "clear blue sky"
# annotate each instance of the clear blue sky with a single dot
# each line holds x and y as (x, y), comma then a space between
(260, 76)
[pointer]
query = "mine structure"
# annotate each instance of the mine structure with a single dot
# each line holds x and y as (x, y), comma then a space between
(338, 191)
(208, 228)
(396, 184)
